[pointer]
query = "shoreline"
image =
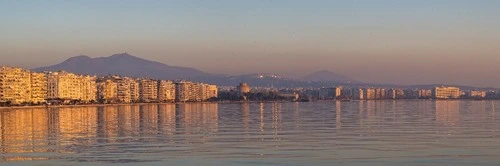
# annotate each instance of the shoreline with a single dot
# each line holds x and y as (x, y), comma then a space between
(218, 102)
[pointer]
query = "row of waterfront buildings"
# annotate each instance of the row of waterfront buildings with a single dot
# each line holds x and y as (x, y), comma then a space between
(370, 93)
(18, 86)
(397, 93)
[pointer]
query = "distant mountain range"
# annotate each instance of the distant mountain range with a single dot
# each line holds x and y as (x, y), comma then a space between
(127, 65)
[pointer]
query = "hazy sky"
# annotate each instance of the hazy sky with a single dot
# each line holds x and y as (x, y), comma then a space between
(381, 41)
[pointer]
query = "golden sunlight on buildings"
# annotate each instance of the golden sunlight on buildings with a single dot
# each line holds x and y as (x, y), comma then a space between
(166, 91)
(446, 92)
(107, 90)
(15, 85)
(69, 86)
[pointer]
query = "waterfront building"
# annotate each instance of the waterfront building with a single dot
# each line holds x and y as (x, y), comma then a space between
(15, 85)
(88, 89)
(370, 94)
(395, 93)
(446, 92)
(189, 91)
(358, 94)
(477, 94)
(347, 93)
(380, 94)
(208, 91)
(330, 93)
(38, 82)
(243, 89)
(166, 91)
(391, 94)
(134, 90)
(400, 93)
(183, 91)
(148, 90)
(64, 86)
(424, 93)
(107, 90)
(127, 90)
(410, 94)
(337, 91)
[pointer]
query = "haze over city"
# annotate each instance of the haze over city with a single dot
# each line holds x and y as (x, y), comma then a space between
(396, 42)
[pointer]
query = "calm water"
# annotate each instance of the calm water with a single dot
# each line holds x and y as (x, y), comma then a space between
(315, 133)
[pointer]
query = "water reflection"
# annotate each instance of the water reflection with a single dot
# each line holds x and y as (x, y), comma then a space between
(319, 133)
(447, 112)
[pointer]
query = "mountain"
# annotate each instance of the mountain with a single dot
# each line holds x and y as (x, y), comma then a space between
(325, 75)
(127, 65)
(123, 64)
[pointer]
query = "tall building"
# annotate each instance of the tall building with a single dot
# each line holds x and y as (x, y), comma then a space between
(38, 82)
(380, 94)
(107, 90)
(63, 85)
(446, 92)
(213, 91)
(134, 90)
(126, 89)
(166, 91)
(370, 94)
(391, 94)
(395, 94)
(400, 93)
(357, 94)
(196, 88)
(148, 90)
(15, 85)
(207, 91)
(183, 91)
(88, 89)
(337, 92)
(189, 91)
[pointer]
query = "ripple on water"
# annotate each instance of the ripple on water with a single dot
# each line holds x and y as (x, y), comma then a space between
(315, 133)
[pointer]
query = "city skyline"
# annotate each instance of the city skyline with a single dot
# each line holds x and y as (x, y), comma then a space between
(411, 42)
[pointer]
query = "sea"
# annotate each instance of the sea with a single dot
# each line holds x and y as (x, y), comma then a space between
(372, 133)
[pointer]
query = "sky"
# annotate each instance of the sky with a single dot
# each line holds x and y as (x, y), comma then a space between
(383, 41)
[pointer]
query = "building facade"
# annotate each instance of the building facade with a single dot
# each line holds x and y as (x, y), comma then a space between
(370, 94)
(107, 90)
(38, 82)
(446, 92)
(15, 85)
(127, 91)
(183, 91)
(88, 89)
(357, 94)
(134, 90)
(166, 91)
(64, 86)
(188, 91)
(148, 90)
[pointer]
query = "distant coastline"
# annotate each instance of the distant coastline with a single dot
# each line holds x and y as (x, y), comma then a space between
(220, 102)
